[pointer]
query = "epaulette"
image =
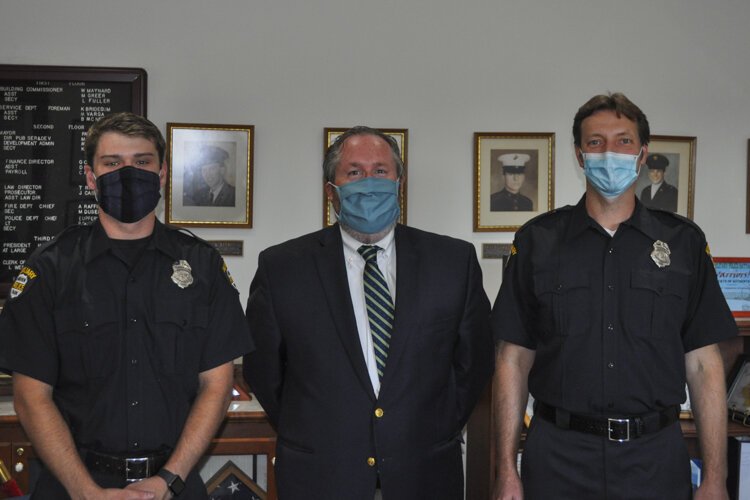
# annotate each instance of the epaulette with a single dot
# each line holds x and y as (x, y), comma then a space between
(680, 218)
(59, 237)
(542, 216)
(187, 232)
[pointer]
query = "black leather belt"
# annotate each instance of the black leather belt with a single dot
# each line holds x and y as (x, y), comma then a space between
(620, 429)
(129, 468)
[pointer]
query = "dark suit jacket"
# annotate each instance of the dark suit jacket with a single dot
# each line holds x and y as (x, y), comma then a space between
(309, 372)
(665, 198)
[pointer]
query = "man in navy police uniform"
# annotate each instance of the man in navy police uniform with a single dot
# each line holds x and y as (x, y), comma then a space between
(606, 310)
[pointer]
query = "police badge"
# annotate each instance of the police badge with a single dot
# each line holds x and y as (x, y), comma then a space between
(181, 274)
(660, 254)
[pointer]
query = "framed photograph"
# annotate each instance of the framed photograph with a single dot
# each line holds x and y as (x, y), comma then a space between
(513, 178)
(210, 180)
(230, 483)
(734, 280)
(667, 179)
(401, 135)
(738, 391)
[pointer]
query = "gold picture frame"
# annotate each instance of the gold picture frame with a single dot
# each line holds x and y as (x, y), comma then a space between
(679, 173)
(401, 135)
(497, 206)
(203, 153)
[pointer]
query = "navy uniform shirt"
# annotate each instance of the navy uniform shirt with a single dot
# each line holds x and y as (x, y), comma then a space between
(122, 347)
(609, 326)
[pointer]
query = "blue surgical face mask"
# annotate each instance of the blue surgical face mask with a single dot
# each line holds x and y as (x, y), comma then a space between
(610, 173)
(369, 205)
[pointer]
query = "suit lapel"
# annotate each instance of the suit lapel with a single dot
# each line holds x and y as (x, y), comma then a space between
(329, 258)
(407, 299)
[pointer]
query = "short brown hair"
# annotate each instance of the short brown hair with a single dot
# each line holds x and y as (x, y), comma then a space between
(124, 123)
(621, 105)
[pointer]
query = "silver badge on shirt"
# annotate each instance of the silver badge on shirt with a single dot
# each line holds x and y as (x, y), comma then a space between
(181, 274)
(660, 254)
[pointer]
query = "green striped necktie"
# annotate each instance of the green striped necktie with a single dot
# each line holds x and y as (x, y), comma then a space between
(379, 305)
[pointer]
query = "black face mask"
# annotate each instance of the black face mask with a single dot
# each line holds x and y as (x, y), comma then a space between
(128, 194)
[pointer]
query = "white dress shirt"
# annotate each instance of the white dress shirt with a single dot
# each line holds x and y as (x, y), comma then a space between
(355, 266)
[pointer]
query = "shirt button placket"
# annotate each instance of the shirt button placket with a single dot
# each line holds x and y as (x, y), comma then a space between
(132, 334)
(609, 320)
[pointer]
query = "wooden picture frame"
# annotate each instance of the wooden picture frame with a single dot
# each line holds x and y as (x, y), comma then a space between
(679, 174)
(222, 485)
(401, 135)
(503, 200)
(734, 279)
(200, 154)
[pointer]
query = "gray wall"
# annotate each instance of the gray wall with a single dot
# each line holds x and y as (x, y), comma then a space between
(442, 69)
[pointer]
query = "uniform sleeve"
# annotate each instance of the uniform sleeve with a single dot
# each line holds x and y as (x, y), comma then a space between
(711, 320)
(228, 337)
(28, 342)
(510, 314)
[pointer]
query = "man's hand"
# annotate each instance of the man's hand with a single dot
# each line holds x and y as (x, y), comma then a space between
(155, 485)
(117, 494)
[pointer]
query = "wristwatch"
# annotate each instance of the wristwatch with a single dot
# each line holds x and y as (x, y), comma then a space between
(174, 482)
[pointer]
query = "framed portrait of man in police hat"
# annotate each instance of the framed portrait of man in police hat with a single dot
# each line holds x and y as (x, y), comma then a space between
(210, 175)
(666, 179)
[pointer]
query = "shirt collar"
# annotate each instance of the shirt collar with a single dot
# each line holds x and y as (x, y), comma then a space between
(580, 220)
(641, 220)
(100, 243)
(351, 244)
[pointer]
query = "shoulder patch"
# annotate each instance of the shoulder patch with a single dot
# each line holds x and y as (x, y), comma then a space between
(708, 250)
(511, 254)
(228, 276)
(24, 280)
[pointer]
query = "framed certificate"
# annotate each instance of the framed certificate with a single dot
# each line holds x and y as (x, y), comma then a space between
(734, 280)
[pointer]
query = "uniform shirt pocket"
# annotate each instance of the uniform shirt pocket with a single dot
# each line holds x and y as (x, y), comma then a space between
(656, 303)
(179, 335)
(564, 302)
(88, 340)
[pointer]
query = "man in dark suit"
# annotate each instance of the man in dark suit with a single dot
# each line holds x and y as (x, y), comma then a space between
(369, 360)
(659, 194)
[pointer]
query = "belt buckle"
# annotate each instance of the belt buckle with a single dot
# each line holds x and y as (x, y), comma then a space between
(611, 431)
(144, 471)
